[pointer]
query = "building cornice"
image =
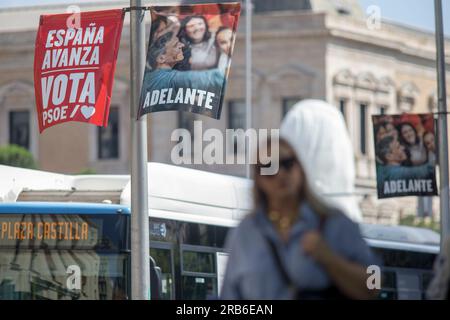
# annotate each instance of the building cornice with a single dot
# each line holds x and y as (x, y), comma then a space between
(403, 40)
(295, 25)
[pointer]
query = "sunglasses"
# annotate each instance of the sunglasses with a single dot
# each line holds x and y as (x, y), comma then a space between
(286, 164)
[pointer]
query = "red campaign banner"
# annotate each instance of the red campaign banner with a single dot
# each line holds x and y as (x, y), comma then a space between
(74, 64)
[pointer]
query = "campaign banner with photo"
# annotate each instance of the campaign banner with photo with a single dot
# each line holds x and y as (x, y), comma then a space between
(405, 151)
(74, 64)
(188, 58)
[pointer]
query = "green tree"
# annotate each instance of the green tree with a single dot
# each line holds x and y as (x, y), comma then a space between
(17, 156)
(419, 222)
(87, 171)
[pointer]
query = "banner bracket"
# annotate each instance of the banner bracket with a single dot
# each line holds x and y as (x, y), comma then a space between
(128, 9)
(442, 112)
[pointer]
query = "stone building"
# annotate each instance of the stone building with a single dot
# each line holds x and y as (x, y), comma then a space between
(301, 49)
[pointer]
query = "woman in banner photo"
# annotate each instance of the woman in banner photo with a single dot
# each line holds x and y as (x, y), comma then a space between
(195, 33)
(294, 246)
(412, 140)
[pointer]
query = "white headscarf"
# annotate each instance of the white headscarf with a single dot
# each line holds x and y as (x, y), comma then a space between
(318, 133)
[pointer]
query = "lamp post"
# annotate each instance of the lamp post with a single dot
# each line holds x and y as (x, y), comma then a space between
(442, 123)
(140, 241)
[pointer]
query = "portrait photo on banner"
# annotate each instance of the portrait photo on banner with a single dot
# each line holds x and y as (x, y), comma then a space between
(188, 58)
(405, 155)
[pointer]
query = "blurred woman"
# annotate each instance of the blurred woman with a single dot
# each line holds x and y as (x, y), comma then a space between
(195, 34)
(417, 153)
(294, 246)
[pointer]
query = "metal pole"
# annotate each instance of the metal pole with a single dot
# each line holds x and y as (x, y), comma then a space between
(140, 241)
(442, 123)
(248, 74)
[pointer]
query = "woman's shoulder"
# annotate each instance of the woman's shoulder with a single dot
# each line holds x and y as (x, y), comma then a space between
(340, 221)
(247, 223)
(246, 232)
(323, 213)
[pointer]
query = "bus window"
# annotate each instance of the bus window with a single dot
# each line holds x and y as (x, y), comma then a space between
(405, 274)
(406, 259)
(199, 288)
(163, 259)
(202, 262)
(63, 257)
(199, 278)
(408, 285)
(40, 275)
(426, 279)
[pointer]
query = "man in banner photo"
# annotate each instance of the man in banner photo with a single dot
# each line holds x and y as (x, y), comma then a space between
(188, 58)
(405, 150)
(74, 64)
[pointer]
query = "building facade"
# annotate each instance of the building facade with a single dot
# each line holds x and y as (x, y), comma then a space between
(301, 49)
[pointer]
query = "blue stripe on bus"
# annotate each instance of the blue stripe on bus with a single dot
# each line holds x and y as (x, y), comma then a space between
(62, 208)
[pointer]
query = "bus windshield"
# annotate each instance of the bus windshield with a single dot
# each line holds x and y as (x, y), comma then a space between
(67, 256)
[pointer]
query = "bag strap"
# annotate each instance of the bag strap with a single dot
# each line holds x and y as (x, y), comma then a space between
(292, 286)
(322, 221)
(279, 263)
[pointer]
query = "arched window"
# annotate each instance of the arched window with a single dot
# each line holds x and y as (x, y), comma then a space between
(407, 95)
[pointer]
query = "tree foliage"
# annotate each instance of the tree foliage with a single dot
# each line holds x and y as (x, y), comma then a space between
(17, 156)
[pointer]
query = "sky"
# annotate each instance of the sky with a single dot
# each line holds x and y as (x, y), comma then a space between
(415, 13)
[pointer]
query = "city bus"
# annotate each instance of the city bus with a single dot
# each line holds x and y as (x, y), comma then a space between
(190, 214)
